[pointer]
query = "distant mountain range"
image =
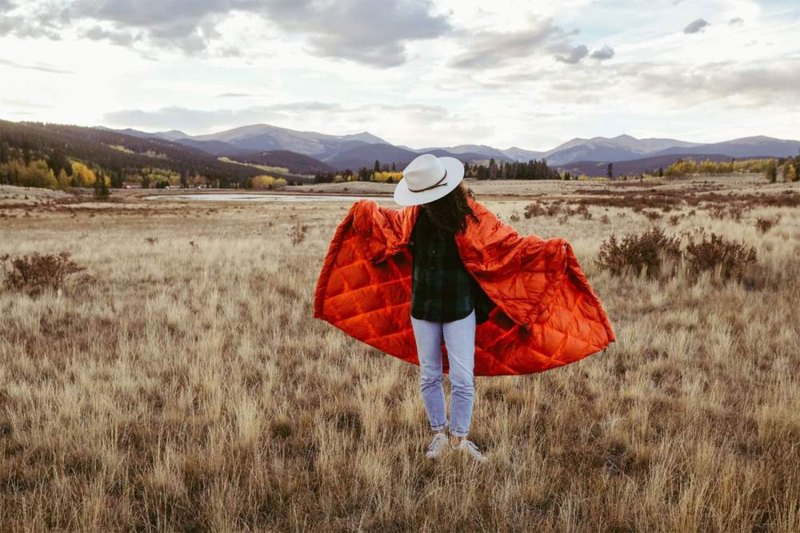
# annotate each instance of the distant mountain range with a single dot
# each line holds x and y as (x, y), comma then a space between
(271, 144)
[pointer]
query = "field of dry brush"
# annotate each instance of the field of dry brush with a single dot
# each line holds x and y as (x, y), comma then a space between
(179, 382)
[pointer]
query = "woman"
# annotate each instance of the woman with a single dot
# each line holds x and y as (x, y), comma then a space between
(443, 299)
(445, 268)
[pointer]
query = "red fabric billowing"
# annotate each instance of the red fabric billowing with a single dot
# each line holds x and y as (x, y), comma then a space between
(546, 313)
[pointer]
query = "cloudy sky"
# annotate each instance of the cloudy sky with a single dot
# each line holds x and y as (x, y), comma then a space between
(414, 72)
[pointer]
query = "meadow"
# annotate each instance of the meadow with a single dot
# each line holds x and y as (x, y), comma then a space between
(180, 383)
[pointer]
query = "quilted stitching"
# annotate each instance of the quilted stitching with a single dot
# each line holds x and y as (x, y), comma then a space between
(547, 314)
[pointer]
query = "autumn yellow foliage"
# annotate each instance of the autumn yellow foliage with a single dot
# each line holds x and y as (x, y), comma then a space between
(82, 175)
(682, 168)
(267, 182)
(387, 177)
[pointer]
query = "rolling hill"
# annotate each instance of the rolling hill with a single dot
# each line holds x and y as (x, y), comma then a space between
(635, 166)
(362, 149)
(295, 162)
(122, 154)
(308, 152)
(743, 147)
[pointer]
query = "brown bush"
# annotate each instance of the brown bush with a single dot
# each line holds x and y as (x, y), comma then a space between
(715, 253)
(721, 212)
(537, 209)
(636, 253)
(534, 209)
(297, 233)
(36, 272)
(764, 224)
(581, 210)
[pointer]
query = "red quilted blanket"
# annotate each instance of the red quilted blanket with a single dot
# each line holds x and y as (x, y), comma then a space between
(545, 315)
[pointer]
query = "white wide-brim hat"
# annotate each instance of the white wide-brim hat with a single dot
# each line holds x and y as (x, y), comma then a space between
(428, 178)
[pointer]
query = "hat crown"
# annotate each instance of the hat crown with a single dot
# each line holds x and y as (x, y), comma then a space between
(423, 171)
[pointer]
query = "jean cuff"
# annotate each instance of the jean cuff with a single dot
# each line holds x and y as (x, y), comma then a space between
(441, 427)
(458, 433)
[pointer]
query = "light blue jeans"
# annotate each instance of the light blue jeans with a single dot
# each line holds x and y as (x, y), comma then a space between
(459, 338)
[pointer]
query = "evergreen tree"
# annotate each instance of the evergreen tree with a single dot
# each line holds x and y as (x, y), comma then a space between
(772, 171)
(5, 152)
(117, 178)
(610, 172)
(100, 187)
(58, 161)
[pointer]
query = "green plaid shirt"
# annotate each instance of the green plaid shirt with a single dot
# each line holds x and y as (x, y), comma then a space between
(441, 289)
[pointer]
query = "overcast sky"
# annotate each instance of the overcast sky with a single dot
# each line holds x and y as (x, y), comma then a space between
(414, 72)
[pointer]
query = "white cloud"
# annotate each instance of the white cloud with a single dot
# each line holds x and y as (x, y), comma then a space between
(414, 72)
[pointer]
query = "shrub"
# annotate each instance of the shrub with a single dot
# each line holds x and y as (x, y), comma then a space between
(645, 252)
(534, 209)
(714, 252)
(581, 210)
(297, 233)
(36, 272)
(553, 210)
(765, 224)
(720, 212)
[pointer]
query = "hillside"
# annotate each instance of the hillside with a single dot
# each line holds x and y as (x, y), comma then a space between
(635, 166)
(299, 163)
(362, 149)
(365, 156)
(119, 154)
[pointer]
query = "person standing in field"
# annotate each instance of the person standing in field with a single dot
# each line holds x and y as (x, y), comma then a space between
(444, 284)
(443, 296)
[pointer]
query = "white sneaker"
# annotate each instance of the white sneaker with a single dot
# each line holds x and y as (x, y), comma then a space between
(472, 449)
(436, 446)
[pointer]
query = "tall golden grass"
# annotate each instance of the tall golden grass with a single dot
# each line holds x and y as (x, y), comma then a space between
(188, 387)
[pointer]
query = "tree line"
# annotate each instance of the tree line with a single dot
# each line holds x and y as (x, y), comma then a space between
(504, 170)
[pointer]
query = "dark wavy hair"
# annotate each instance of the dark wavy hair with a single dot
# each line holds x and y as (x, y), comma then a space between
(448, 214)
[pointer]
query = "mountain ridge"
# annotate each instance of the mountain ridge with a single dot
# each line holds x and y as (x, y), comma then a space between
(363, 148)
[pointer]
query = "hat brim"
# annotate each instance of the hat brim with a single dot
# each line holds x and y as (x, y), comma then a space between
(455, 173)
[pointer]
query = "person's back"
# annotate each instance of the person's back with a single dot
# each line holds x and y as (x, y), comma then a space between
(443, 295)
(394, 279)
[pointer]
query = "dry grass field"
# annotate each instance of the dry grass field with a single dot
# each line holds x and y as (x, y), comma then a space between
(179, 382)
